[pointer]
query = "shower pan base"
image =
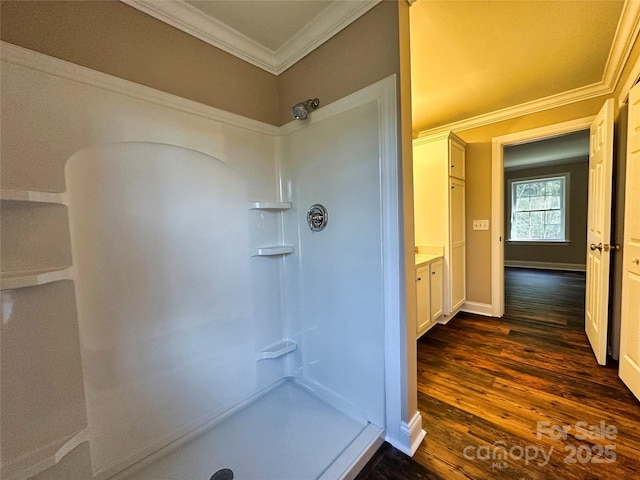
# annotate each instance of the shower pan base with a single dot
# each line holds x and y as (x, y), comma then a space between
(287, 433)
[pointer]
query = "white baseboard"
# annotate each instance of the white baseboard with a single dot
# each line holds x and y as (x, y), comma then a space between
(485, 309)
(573, 267)
(412, 434)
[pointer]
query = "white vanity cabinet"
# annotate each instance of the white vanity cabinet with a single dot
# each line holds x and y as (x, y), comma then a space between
(439, 209)
(429, 292)
(423, 319)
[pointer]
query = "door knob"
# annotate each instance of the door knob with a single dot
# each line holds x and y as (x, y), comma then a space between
(595, 247)
(635, 260)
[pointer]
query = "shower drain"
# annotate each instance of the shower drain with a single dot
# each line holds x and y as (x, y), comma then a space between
(223, 474)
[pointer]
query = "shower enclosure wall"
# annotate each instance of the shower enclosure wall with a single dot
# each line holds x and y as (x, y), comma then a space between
(172, 285)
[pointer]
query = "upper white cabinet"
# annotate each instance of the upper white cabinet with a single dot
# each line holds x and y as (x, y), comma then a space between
(456, 158)
(439, 209)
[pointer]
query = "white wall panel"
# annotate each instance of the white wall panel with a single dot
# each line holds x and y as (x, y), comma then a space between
(172, 308)
(337, 272)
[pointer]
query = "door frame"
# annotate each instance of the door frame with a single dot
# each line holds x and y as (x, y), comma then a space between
(497, 195)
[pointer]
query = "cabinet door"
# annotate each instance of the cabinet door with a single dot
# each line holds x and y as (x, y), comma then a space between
(457, 260)
(458, 278)
(422, 292)
(435, 290)
(456, 160)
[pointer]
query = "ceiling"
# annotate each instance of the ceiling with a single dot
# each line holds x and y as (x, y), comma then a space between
(473, 62)
(270, 23)
(570, 148)
(474, 58)
(271, 34)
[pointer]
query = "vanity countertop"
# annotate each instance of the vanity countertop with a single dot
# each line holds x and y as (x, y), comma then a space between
(425, 258)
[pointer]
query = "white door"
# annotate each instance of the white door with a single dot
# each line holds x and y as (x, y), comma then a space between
(630, 322)
(599, 231)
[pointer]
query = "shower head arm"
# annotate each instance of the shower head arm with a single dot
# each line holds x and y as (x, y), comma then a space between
(301, 110)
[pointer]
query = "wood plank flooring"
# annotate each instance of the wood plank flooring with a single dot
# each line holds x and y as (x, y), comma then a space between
(484, 384)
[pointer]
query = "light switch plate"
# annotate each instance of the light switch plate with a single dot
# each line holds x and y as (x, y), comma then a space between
(481, 224)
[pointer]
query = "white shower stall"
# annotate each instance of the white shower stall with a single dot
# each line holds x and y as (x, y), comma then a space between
(166, 310)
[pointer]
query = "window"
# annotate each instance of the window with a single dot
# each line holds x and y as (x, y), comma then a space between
(539, 209)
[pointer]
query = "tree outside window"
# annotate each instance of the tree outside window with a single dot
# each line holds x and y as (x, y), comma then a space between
(538, 209)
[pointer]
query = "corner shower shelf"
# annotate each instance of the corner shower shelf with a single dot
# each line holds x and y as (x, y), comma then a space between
(271, 251)
(45, 457)
(278, 349)
(31, 278)
(270, 205)
(32, 196)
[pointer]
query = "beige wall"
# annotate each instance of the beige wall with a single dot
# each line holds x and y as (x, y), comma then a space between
(575, 252)
(478, 207)
(356, 57)
(113, 38)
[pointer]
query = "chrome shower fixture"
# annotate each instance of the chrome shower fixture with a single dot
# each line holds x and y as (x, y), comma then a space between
(300, 111)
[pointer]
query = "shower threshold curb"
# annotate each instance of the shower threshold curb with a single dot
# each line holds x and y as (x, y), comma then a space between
(353, 458)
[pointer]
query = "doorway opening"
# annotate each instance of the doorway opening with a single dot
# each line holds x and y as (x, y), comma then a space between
(499, 233)
(545, 217)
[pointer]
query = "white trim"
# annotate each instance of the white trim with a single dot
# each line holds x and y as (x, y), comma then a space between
(333, 19)
(179, 14)
(572, 267)
(414, 434)
(634, 75)
(378, 90)
(497, 196)
(540, 242)
(623, 41)
(527, 108)
(626, 34)
(13, 54)
(198, 24)
(477, 308)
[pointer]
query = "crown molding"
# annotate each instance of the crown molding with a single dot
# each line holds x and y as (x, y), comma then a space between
(527, 108)
(336, 17)
(189, 19)
(623, 41)
(625, 37)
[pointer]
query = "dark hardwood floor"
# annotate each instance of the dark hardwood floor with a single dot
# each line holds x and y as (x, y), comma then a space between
(520, 397)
